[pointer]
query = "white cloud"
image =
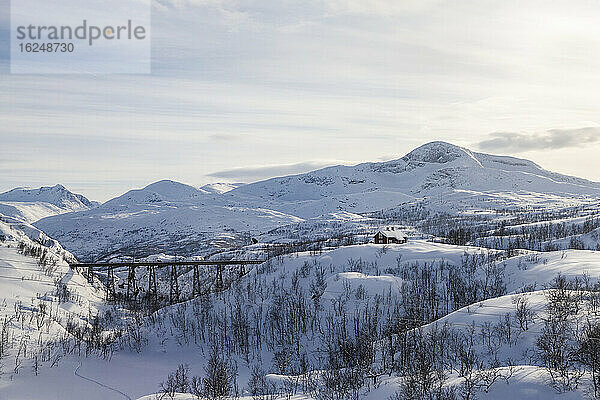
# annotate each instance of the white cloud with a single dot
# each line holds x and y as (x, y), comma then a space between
(553, 139)
(260, 172)
(381, 7)
(313, 80)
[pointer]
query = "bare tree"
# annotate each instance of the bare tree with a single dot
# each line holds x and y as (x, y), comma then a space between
(557, 349)
(588, 353)
(524, 314)
(258, 386)
(176, 382)
(220, 377)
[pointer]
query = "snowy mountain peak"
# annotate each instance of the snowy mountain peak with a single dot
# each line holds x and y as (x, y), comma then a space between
(442, 153)
(172, 190)
(165, 190)
(438, 152)
(57, 195)
(30, 205)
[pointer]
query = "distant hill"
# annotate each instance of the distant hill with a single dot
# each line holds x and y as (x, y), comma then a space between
(165, 216)
(30, 205)
(172, 217)
(447, 177)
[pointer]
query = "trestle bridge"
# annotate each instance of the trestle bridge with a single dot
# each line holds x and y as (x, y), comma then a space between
(131, 287)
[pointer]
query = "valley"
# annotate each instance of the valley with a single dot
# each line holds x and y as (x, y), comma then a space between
(495, 294)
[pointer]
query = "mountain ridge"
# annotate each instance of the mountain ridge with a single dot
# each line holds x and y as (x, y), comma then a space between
(428, 170)
(33, 204)
(438, 175)
(57, 195)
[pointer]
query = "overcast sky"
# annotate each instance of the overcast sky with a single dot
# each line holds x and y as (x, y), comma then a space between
(247, 89)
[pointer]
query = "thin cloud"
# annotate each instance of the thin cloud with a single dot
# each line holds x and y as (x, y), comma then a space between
(257, 173)
(553, 139)
(224, 137)
(381, 7)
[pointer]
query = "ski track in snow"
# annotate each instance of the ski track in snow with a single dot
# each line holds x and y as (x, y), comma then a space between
(77, 374)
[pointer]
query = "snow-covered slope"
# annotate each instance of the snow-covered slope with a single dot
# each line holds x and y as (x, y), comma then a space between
(340, 284)
(220, 188)
(30, 205)
(433, 171)
(167, 217)
(42, 301)
(172, 217)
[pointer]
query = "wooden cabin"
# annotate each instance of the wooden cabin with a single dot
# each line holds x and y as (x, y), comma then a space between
(392, 236)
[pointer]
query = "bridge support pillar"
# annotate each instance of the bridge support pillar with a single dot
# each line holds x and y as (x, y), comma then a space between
(174, 286)
(131, 284)
(110, 284)
(152, 284)
(196, 281)
(90, 275)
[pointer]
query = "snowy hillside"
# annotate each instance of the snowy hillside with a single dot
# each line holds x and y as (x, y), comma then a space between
(433, 171)
(438, 177)
(363, 285)
(495, 295)
(165, 217)
(14, 228)
(30, 205)
(286, 318)
(44, 303)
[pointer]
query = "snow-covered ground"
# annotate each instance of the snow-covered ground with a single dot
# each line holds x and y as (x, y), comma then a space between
(329, 297)
(133, 374)
(35, 316)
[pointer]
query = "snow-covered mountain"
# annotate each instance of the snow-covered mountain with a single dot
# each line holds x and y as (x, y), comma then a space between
(167, 216)
(220, 188)
(301, 323)
(433, 172)
(30, 205)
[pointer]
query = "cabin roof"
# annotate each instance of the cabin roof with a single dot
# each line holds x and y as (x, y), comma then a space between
(393, 234)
